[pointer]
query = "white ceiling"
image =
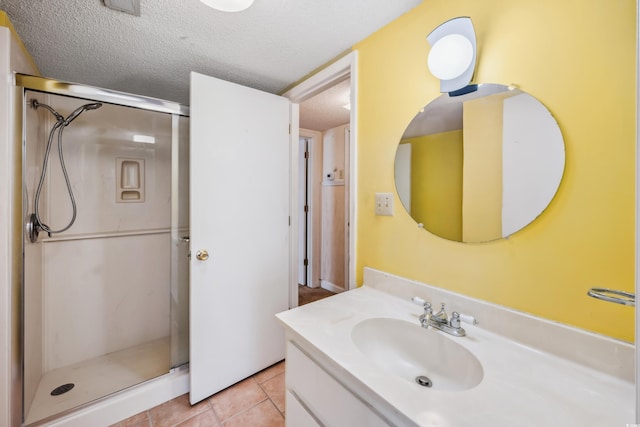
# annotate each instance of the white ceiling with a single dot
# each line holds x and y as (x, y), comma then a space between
(269, 46)
(327, 109)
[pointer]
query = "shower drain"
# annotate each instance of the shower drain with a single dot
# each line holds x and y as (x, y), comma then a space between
(424, 381)
(62, 389)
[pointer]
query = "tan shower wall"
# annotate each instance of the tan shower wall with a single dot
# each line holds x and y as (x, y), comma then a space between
(91, 154)
(104, 295)
(106, 281)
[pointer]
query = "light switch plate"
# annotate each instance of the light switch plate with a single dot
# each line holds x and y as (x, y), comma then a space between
(384, 204)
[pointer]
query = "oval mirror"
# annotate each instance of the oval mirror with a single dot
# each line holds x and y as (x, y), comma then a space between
(479, 166)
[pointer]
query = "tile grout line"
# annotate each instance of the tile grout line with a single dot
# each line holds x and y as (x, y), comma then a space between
(269, 397)
(244, 411)
(193, 415)
(221, 421)
(276, 406)
(215, 414)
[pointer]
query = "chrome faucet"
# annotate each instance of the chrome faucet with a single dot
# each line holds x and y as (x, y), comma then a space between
(441, 321)
(441, 316)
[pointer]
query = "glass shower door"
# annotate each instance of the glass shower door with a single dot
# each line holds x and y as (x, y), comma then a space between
(180, 242)
(104, 300)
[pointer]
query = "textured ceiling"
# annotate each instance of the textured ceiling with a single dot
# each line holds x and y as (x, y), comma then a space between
(269, 46)
(326, 110)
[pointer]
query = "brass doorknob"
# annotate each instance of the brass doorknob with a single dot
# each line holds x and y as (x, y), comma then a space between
(202, 255)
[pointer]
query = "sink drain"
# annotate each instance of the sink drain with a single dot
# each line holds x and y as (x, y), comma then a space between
(424, 381)
(62, 389)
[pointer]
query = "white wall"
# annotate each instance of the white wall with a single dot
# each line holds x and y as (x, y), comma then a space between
(333, 247)
(6, 171)
(532, 161)
(333, 152)
(12, 58)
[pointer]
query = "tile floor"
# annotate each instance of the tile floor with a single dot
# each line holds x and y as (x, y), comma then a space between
(257, 401)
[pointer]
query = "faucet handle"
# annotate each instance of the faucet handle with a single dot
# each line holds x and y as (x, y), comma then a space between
(424, 303)
(468, 319)
(419, 301)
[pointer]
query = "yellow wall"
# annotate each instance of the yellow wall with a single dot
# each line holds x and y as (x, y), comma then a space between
(578, 58)
(482, 176)
(436, 181)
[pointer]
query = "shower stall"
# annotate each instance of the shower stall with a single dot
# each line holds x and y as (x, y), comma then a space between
(105, 243)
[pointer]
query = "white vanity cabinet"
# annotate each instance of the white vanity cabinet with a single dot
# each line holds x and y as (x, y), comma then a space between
(315, 398)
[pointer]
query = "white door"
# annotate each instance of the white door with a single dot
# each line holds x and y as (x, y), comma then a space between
(239, 214)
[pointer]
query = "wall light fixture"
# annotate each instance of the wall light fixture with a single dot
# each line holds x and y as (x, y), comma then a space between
(452, 58)
(228, 5)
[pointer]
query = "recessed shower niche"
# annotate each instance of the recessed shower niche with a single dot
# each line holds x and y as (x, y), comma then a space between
(129, 180)
(105, 300)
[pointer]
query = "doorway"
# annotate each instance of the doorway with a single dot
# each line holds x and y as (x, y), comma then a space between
(323, 196)
(343, 71)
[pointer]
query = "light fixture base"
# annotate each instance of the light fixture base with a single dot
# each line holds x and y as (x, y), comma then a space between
(131, 7)
(228, 5)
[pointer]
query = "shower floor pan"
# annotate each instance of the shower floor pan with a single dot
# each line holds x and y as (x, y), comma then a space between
(99, 377)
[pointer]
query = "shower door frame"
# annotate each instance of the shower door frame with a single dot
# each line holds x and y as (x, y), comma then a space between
(24, 82)
(76, 90)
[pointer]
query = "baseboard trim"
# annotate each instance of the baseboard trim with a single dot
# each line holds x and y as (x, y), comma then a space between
(324, 284)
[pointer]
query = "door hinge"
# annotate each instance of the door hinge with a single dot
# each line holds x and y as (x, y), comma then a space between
(306, 154)
(306, 261)
(289, 128)
(306, 208)
(289, 221)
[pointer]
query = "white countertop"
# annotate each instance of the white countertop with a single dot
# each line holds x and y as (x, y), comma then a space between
(522, 386)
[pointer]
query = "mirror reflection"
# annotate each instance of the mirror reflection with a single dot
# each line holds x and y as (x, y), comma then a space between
(480, 166)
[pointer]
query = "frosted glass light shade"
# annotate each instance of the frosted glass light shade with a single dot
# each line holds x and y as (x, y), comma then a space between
(228, 5)
(450, 57)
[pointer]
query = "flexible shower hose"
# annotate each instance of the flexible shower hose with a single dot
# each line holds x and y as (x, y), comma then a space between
(59, 125)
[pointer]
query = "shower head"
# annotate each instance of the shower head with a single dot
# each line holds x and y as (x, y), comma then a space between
(93, 106)
(79, 111)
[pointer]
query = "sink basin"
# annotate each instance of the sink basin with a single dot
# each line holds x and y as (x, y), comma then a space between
(410, 351)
